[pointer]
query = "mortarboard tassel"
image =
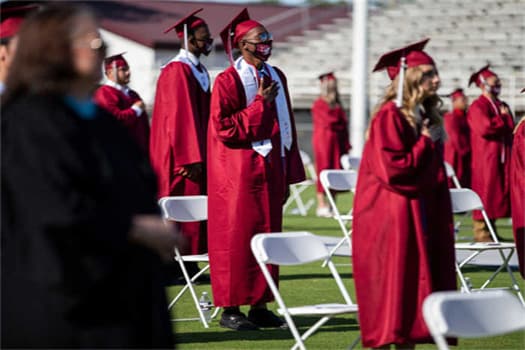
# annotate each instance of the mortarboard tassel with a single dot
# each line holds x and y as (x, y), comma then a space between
(186, 39)
(399, 99)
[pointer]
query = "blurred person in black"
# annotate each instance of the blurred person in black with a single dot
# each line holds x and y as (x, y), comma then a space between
(81, 234)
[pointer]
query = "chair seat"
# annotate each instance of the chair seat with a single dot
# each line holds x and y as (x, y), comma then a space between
(348, 217)
(487, 258)
(196, 258)
(484, 246)
(321, 309)
(330, 242)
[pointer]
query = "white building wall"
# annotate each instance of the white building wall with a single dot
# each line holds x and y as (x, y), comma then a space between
(141, 60)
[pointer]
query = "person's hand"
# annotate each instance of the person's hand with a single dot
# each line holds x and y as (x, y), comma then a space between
(435, 132)
(191, 171)
(425, 130)
(140, 104)
(504, 109)
(151, 232)
(268, 92)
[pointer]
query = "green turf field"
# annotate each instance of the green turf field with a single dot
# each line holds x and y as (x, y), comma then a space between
(313, 284)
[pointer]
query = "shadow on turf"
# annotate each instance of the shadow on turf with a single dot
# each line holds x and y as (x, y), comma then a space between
(308, 276)
(337, 325)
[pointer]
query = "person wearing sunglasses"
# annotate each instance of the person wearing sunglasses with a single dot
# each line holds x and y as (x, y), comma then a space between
(179, 124)
(252, 158)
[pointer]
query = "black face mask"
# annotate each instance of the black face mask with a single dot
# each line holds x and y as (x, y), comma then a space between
(208, 46)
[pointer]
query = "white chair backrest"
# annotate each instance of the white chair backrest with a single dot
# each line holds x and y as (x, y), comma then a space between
(472, 315)
(288, 248)
(308, 165)
(449, 170)
(184, 208)
(464, 199)
(339, 180)
(305, 157)
(350, 162)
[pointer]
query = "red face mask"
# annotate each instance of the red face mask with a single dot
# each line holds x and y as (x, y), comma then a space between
(263, 51)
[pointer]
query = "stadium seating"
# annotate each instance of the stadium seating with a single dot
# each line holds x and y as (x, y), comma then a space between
(465, 35)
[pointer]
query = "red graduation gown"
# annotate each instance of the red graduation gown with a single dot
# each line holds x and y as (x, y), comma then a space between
(330, 137)
(517, 193)
(490, 140)
(118, 104)
(178, 138)
(457, 145)
(246, 190)
(403, 237)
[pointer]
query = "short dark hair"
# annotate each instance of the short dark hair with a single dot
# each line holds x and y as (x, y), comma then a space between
(43, 62)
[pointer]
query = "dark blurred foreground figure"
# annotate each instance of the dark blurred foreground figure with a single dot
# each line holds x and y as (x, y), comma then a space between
(517, 191)
(457, 145)
(490, 122)
(81, 236)
(403, 238)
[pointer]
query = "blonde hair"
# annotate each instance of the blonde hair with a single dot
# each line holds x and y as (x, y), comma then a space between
(413, 95)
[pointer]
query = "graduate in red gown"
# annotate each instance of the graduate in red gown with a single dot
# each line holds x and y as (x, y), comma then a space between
(403, 237)
(11, 18)
(122, 102)
(252, 158)
(457, 145)
(180, 121)
(330, 138)
(517, 191)
(491, 124)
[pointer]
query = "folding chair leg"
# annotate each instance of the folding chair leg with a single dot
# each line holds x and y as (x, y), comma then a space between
(355, 342)
(190, 287)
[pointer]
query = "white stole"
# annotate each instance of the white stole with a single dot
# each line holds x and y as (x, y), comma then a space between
(202, 77)
(250, 82)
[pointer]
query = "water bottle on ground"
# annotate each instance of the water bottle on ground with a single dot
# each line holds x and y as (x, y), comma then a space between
(205, 305)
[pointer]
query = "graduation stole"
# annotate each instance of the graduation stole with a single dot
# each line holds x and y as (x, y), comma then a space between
(202, 77)
(250, 82)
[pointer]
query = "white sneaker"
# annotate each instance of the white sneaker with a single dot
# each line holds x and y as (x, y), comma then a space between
(323, 212)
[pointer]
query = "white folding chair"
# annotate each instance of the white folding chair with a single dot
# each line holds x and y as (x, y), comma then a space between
(466, 200)
(339, 180)
(453, 314)
(188, 209)
(451, 173)
(296, 248)
(297, 189)
(349, 162)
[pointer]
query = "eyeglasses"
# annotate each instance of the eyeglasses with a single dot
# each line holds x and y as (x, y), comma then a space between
(264, 37)
(96, 44)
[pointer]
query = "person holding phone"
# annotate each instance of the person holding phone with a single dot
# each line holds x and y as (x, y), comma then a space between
(403, 235)
(252, 158)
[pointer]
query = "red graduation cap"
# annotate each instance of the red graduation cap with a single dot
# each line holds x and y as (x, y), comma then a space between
(115, 61)
(327, 76)
(480, 76)
(234, 31)
(190, 21)
(456, 94)
(396, 61)
(12, 18)
(413, 54)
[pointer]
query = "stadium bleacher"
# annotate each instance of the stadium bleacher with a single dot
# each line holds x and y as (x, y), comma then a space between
(465, 35)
